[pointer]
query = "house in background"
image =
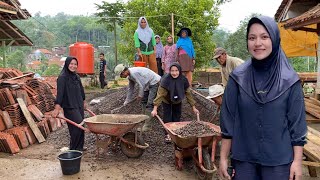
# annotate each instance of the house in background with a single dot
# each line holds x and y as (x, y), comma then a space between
(59, 51)
(57, 60)
(34, 65)
(38, 54)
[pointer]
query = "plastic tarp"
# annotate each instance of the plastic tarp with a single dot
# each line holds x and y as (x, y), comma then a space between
(299, 43)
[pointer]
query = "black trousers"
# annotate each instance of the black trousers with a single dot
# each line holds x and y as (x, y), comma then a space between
(171, 112)
(102, 80)
(149, 96)
(253, 171)
(76, 134)
(159, 65)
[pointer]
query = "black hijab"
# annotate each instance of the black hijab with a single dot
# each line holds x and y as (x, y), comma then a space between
(265, 80)
(175, 86)
(67, 73)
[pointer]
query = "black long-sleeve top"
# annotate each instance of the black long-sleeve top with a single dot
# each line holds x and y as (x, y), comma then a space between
(70, 92)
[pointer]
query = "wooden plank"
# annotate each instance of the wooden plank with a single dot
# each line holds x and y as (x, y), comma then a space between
(313, 120)
(314, 107)
(311, 150)
(310, 101)
(313, 131)
(309, 163)
(312, 170)
(18, 77)
(312, 112)
(315, 101)
(313, 138)
(30, 120)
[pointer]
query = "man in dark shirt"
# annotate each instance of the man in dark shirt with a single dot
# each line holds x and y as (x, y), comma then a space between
(103, 71)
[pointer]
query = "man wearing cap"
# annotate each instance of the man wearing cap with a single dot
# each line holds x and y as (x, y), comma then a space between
(147, 81)
(228, 63)
(215, 93)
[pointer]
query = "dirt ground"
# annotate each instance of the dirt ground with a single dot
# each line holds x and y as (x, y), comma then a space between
(40, 161)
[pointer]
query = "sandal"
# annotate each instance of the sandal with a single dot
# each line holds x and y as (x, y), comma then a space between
(167, 139)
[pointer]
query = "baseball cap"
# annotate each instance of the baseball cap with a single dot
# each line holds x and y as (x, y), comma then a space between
(218, 52)
(215, 91)
(118, 70)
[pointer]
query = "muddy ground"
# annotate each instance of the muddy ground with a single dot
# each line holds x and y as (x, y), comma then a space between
(40, 161)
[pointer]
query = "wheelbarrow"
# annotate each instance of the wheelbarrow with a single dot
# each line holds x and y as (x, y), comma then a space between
(195, 146)
(117, 127)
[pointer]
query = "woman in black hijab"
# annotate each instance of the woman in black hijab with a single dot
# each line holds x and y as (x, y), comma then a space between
(70, 97)
(263, 115)
(174, 87)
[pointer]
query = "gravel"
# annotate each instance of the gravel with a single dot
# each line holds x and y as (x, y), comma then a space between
(194, 129)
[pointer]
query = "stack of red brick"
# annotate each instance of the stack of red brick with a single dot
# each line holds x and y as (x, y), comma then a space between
(15, 133)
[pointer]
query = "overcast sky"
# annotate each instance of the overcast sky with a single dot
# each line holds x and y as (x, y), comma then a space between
(231, 13)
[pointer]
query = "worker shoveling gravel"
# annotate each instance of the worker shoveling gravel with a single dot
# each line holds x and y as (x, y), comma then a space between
(195, 128)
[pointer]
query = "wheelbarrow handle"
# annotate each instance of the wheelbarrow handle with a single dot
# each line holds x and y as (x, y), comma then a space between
(160, 120)
(198, 117)
(208, 170)
(73, 123)
(90, 112)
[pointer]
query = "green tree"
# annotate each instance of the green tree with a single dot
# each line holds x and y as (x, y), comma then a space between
(304, 64)
(201, 16)
(17, 60)
(111, 14)
(220, 37)
(52, 70)
(236, 44)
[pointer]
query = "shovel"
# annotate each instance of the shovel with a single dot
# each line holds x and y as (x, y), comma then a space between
(116, 109)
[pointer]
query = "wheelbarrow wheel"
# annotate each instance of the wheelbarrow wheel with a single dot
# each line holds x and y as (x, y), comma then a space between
(206, 163)
(129, 150)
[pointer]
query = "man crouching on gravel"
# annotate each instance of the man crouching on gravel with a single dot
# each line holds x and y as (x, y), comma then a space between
(147, 81)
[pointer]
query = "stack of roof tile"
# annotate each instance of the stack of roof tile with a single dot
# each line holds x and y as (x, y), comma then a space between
(15, 133)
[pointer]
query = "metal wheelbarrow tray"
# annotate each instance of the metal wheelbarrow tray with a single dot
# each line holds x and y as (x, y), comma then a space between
(120, 128)
(189, 141)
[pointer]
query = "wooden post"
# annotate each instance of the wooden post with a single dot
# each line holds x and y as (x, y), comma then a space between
(115, 41)
(172, 27)
(4, 53)
(317, 91)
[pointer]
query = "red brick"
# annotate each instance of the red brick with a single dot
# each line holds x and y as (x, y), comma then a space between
(45, 123)
(42, 129)
(53, 124)
(20, 136)
(2, 125)
(58, 123)
(9, 143)
(12, 143)
(31, 137)
(7, 120)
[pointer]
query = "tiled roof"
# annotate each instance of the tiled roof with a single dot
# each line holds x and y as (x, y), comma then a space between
(44, 51)
(284, 4)
(312, 16)
(7, 6)
(13, 33)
